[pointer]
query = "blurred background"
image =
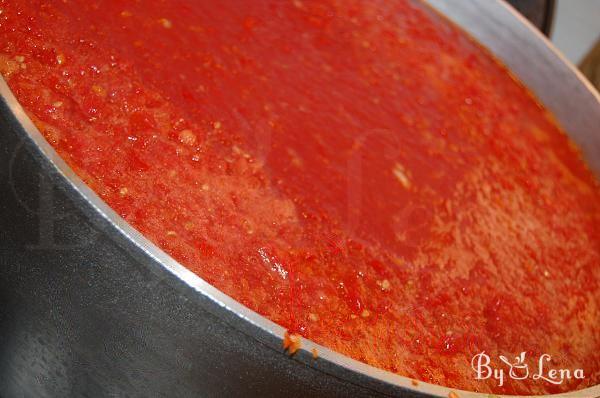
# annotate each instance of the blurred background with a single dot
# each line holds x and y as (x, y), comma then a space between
(573, 26)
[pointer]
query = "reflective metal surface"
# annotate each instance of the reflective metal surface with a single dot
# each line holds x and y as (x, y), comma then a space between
(89, 307)
(539, 12)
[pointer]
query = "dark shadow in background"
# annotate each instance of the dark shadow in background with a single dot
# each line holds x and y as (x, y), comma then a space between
(539, 12)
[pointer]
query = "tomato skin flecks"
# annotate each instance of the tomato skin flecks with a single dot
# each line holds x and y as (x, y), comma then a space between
(360, 172)
(291, 342)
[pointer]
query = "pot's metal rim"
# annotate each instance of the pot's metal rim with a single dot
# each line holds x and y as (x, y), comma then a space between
(539, 36)
(229, 304)
(513, 40)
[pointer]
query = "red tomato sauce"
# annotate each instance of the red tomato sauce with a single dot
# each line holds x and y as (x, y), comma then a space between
(361, 173)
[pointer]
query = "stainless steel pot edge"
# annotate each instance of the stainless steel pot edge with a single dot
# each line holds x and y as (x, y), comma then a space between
(536, 62)
(201, 286)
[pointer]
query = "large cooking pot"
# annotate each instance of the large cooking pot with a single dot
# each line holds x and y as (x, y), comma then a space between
(89, 307)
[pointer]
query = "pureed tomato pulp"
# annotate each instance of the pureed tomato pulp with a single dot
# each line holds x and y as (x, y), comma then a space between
(361, 173)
